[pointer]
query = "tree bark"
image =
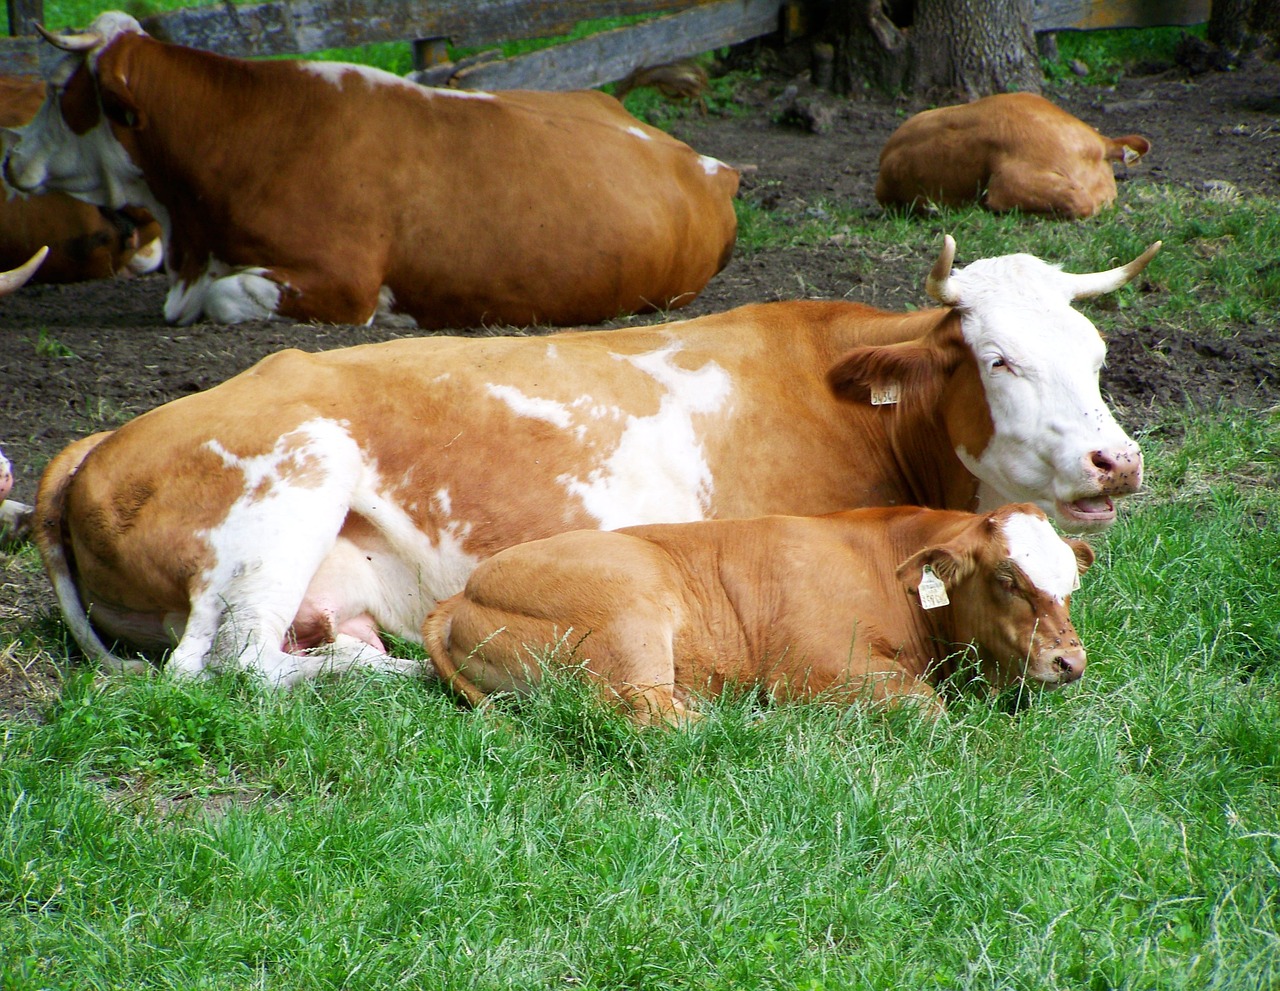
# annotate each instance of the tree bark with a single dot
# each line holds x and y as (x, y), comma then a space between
(969, 48)
(1240, 26)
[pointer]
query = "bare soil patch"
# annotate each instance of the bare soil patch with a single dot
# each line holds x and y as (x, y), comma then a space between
(79, 358)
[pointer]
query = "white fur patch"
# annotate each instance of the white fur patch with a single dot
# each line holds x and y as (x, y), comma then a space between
(1047, 561)
(532, 406)
(710, 165)
(659, 471)
(223, 295)
(639, 133)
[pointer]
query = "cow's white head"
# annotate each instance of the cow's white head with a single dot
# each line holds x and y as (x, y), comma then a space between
(70, 146)
(1016, 370)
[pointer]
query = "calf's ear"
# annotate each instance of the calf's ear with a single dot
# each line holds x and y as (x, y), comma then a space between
(1084, 555)
(948, 563)
(1131, 147)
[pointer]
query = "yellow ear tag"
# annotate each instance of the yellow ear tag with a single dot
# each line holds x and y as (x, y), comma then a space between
(884, 395)
(1130, 156)
(1075, 585)
(933, 594)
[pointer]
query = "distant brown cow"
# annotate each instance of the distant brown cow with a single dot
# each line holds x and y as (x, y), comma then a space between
(866, 604)
(84, 242)
(1009, 151)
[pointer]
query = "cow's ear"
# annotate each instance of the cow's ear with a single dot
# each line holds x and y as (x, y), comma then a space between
(1131, 147)
(865, 373)
(117, 102)
(950, 565)
(1084, 555)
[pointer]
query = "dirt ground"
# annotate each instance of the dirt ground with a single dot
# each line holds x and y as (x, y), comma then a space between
(79, 358)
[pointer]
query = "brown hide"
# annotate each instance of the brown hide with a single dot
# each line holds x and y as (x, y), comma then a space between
(84, 242)
(1008, 151)
(518, 207)
(804, 607)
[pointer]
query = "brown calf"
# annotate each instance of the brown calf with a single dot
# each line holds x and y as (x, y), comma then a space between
(1009, 151)
(865, 604)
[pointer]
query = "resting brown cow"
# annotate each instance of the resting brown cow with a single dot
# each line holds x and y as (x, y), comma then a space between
(1009, 151)
(84, 242)
(325, 191)
(866, 604)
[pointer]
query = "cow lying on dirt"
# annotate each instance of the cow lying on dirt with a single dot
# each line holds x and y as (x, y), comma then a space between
(869, 604)
(334, 192)
(1008, 151)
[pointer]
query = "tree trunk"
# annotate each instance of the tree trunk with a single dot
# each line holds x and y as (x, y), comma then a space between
(969, 48)
(1240, 26)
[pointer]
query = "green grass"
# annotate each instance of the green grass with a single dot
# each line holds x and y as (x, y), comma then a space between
(370, 831)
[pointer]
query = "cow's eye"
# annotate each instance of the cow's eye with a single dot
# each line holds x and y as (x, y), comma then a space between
(998, 362)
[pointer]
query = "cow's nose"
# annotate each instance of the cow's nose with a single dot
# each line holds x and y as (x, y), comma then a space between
(1117, 471)
(1068, 665)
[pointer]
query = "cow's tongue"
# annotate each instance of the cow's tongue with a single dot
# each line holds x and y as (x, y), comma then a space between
(1094, 506)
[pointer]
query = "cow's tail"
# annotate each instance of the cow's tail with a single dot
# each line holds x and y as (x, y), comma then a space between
(50, 535)
(435, 637)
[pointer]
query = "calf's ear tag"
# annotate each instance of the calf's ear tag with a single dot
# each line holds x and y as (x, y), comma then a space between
(1075, 585)
(933, 594)
(884, 395)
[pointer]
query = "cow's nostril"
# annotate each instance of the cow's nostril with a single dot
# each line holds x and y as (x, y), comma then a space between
(1102, 462)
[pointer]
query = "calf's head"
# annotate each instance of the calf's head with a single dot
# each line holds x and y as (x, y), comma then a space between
(1012, 373)
(1008, 578)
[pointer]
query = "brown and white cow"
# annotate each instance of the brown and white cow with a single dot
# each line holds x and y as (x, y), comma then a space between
(84, 241)
(325, 191)
(322, 498)
(1008, 151)
(868, 604)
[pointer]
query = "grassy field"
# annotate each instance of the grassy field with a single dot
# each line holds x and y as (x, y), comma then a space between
(370, 833)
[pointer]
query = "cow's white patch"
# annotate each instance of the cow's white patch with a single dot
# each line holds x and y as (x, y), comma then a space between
(711, 165)
(658, 473)
(532, 406)
(639, 133)
(148, 258)
(279, 545)
(1044, 557)
(339, 74)
(224, 295)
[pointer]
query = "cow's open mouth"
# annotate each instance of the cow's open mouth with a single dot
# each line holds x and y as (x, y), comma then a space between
(1094, 509)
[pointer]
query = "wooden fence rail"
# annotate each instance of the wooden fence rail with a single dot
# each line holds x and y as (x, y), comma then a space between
(287, 27)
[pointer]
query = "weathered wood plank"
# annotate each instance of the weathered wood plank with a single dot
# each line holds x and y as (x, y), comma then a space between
(278, 28)
(610, 55)
(1090, 15)
(22, 13)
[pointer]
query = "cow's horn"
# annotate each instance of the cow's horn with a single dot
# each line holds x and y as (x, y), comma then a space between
(1097, 283)
(16, 278)
(938, 284)
(83, 42)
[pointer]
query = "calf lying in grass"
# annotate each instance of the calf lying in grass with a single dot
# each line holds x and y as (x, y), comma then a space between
(867, 604)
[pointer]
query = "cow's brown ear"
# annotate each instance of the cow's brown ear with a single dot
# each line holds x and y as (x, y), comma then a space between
(1131, 147)
(117, 101)
(866, 374)
(1084, 555)
(950, 566)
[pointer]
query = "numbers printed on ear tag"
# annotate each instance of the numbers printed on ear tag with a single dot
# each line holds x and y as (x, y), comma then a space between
(884, 395)
(933, 594)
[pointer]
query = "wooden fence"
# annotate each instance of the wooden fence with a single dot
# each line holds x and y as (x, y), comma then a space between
(286, 27)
